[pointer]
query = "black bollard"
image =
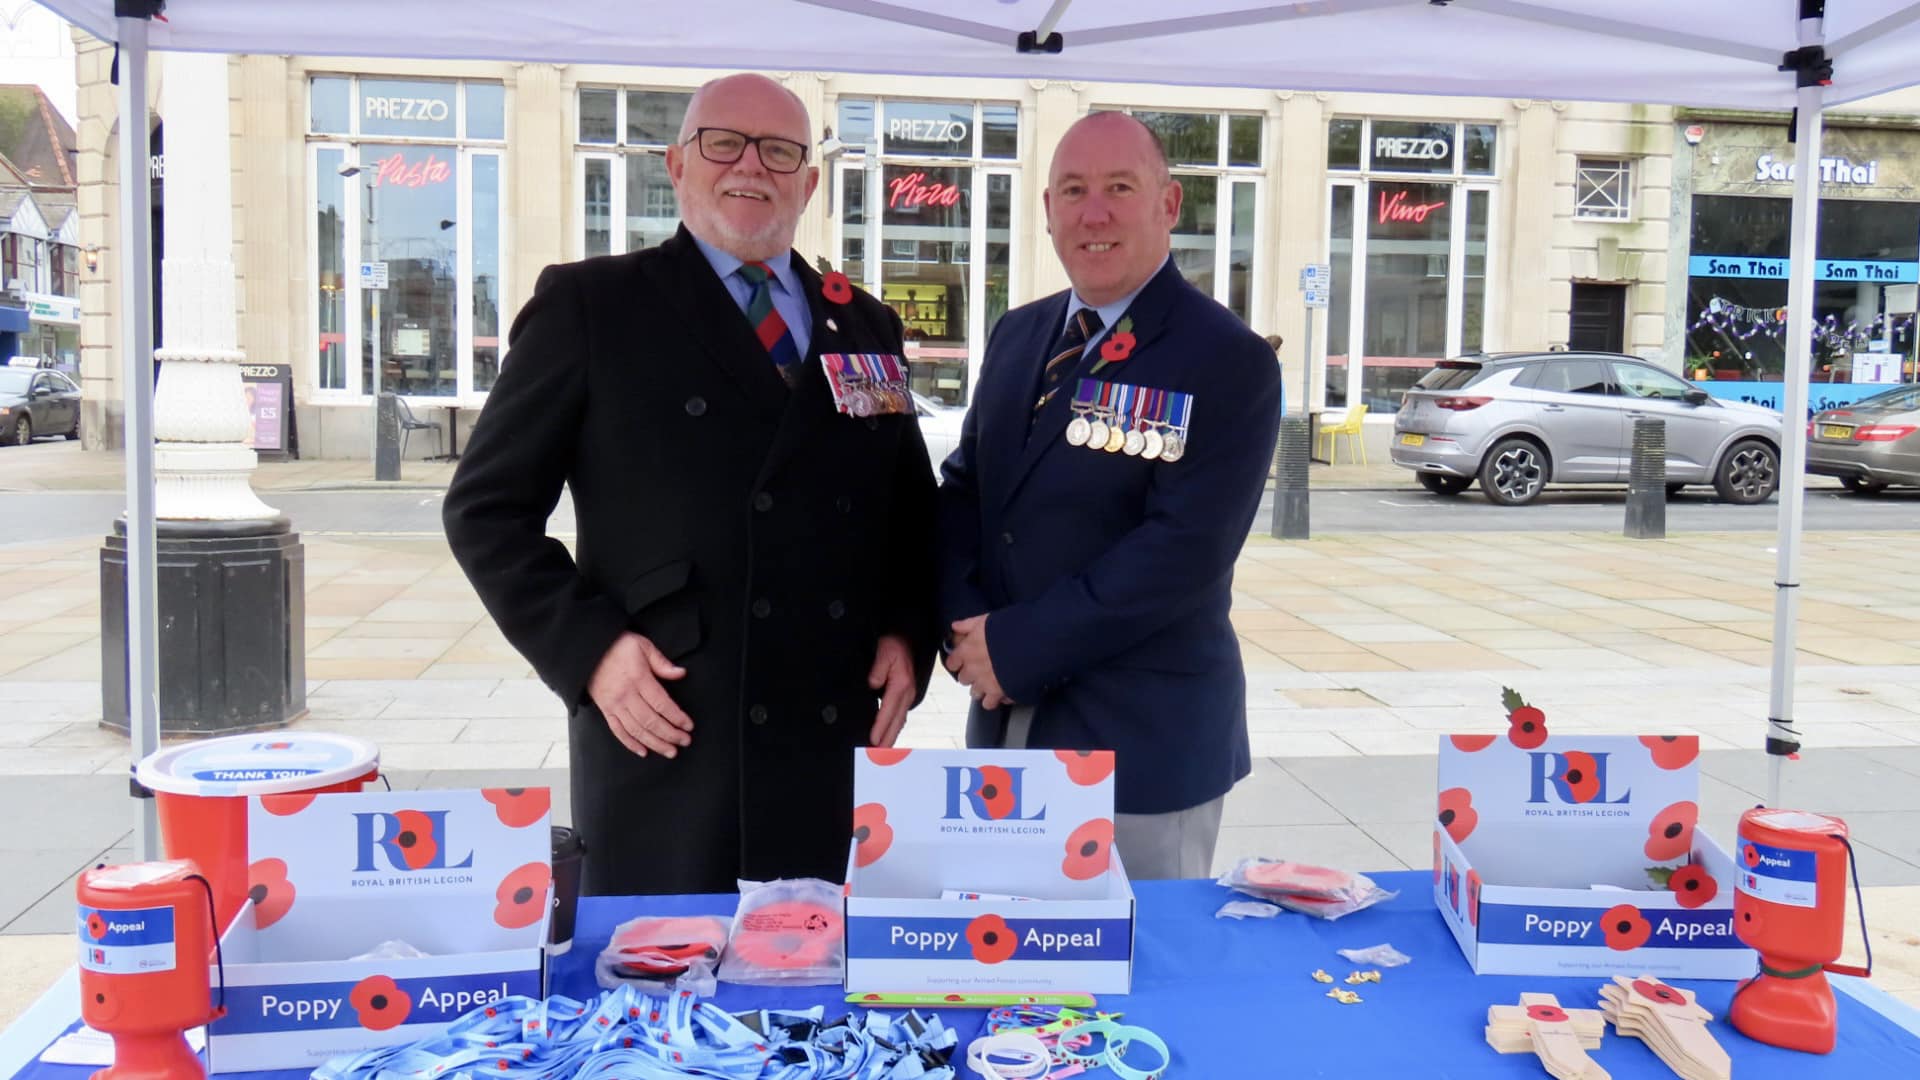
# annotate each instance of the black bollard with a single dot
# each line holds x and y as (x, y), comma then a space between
(386, 437)
(1647, 480)
(1290, 459)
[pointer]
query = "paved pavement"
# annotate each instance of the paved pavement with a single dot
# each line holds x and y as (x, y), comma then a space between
(1362, 648)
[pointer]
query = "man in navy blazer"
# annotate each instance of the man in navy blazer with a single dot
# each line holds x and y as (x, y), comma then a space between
(1088, 587)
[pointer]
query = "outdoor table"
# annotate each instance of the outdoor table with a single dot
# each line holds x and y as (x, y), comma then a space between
(1235, 998)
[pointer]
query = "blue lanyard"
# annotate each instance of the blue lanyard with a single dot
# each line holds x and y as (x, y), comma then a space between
(624, 1033)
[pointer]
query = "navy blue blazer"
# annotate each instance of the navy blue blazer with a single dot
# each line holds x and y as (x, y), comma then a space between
(1108, 577)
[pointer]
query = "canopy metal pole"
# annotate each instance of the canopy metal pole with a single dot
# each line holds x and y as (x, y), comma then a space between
(1781, 737)
(136, 374)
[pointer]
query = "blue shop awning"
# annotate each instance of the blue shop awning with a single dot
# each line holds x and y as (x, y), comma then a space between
(13, 319)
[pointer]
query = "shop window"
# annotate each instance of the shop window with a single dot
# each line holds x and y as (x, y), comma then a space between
(1602, 190)
(1343, 143)
(925, 217)
(626, 198)
(406, 177)
(1215, 157)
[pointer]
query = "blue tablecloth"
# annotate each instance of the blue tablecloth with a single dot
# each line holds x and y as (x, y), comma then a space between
(1233, 998)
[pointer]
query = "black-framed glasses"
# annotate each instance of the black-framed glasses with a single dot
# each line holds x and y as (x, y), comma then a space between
(724, 146)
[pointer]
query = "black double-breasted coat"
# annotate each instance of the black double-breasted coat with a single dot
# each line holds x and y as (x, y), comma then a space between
(762, 540)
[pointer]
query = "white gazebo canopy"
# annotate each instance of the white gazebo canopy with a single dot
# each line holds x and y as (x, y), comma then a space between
(1738, 54)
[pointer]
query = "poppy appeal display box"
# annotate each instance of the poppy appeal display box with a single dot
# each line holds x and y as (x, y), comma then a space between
(460, 876)
(1580, 855)
(1025, 836)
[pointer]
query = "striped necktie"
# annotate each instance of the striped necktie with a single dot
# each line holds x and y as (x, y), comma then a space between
(767, 324)
(1066, 356)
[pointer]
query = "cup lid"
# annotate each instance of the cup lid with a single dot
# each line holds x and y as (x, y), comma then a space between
(240, 765)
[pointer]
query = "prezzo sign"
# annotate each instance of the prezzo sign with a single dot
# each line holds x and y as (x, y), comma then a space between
(1411, 149)
(928, 131)
(1833, 170)
(423, 110)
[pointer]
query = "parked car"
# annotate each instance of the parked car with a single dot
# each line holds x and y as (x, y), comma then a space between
(939, 426)
(1870, 444)
(1514, 421)
(35, 402)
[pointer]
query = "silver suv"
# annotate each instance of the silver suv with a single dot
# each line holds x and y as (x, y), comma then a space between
(1515, 421)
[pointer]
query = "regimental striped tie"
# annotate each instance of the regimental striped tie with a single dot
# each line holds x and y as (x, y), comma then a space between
(1073, 341)
(766, 321)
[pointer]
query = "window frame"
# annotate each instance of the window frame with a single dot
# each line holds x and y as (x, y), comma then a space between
(1226, 177)
(1616, 210)
(615, 153)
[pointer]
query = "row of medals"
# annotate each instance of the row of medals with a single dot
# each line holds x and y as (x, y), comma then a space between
(1146, 439)
(875, 399)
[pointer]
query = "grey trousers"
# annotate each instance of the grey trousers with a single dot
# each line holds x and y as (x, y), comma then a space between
(1152, 846)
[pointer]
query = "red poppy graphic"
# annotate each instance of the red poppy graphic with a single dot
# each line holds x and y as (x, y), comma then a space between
(1457, 815)
(1625, 927)
(379, 1003)
(1473, 897)
(991, 939)
(519, 807)
(1086, 767)
(1473, 744)
(1672, 751)
(886, 755)
(1528, 725)
(1692, 886)
(871, 997)
(1750, 855)
(1117, 347)
(418, 847)
(1659, 992)
(835, 287)
(287, 805)
(1547, 1014)
(1089, 850)
(96, 926)
(272, 894)
(871, 831)
(996, 791)
(1671, 834)
(1581, 775)
(523, 896)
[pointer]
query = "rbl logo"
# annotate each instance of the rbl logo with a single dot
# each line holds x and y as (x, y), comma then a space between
(272, 746)
(991, 792)
(99, 956)
(1574, 777)
(410, 840)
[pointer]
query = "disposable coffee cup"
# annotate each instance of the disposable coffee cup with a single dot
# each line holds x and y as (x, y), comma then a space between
(567, 852)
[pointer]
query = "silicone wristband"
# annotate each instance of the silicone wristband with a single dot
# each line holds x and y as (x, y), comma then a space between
(988, 1057)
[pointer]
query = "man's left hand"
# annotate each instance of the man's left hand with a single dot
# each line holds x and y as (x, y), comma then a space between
(972, 664)
(892, 677)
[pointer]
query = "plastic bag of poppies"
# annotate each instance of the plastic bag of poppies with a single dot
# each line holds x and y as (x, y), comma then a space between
(655, 954)
(1319, 891)
(787, 933)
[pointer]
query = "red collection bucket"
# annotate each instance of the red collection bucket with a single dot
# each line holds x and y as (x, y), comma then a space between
(201, 791)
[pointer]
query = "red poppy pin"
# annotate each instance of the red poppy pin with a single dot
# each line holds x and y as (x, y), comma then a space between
(835, 287)
(1119, 344)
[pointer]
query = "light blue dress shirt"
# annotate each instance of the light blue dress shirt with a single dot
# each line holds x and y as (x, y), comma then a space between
(1109, 313)
(788, 300)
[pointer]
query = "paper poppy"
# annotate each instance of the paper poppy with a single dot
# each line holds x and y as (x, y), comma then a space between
(1527, 725)
(287, 805)
(1117, 347)
(1672, 751)
(1659, 992)
(96, 926)
(1457, 815)
(1581, 775)
(1472, 744)
(1473, 897)
(379, 1003)
(871, 833)
(418, 848)
(995, 791)
(519, 807)
(886, 755)
(1671, 834)
(1547, 1014)
(991, 939)
(835, 287)
(1089, 850)
(1625, 927)
(1086, 767)
(523, 896)
(1692, 886)
(270, 890)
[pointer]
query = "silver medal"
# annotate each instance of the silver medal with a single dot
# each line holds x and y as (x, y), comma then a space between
(862, 403)
(1152, 443)
(1136, 442)
(1078, 431)
(1097, 435)
(1175, 449)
